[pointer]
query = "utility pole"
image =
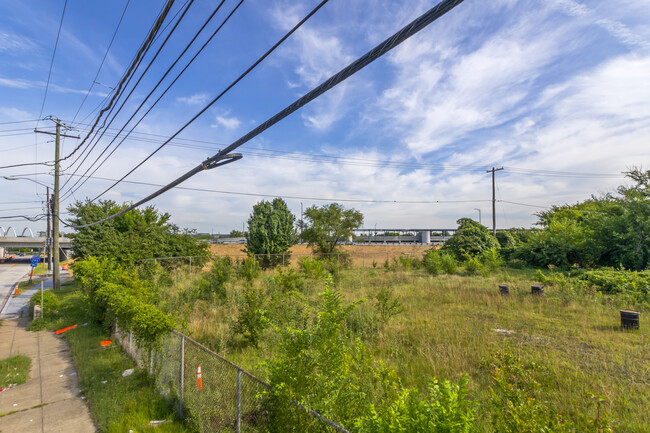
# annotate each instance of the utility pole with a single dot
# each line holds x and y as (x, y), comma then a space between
(494, 201)
(48, 236)
(56, 281)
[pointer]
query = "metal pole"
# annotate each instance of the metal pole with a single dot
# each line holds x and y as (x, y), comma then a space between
(180, 410)
(42, 307)
(494, 201)
(238, 401)
(190, 264)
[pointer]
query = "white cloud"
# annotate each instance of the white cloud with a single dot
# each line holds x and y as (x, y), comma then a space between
(617, 29)
(441, 94)
(317, 54)
(196, 99)
(14, 114)
(226, 122)
(15, 44)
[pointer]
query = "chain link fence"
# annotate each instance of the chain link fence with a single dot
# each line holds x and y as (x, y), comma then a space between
(214, 394)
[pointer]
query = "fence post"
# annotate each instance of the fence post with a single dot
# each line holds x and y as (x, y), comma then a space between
(363, 260)
(283, 260)
(151, 360)
(190, 264)
(238, 401)
(338, 259)
(180, 409)
(130, 343)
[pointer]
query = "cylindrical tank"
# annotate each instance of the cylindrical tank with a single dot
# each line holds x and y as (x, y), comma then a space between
(425, 237)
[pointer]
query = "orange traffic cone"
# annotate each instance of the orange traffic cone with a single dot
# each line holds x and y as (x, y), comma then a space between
(16, 292)
(199, 381)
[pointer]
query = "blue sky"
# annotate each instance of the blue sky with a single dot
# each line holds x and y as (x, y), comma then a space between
(533, 86)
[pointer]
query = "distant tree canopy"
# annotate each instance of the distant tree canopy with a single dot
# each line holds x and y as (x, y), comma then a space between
(270, 231)
(324, 227)
(470, 239)
(611, 230)
(136, 235)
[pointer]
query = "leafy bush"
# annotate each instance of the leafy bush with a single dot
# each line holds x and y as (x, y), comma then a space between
(214, 281)
(445, 409)
(117, 295)
(251, 319)
(432, 262)
(50, 301)
(288, 281)
(473, 266)
(312, 267)
(387, 305)
(471, 239)
(515, 406)
(491, 260)
(248, 269)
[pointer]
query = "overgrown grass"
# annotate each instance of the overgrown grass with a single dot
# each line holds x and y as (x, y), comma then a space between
(117, 403)
(14, 370)
(569, 340)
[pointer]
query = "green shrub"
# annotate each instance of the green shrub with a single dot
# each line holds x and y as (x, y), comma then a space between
(432, 262)
(214, 281)
(251, 319)
(445, 409)
(387, 305)
(473, 266)
(515, 406)
(115, 295)
(448, 263)
(50, 301)
(471, 239)
(312, 267)
(490, 259)
(248, 269)
(288, 281)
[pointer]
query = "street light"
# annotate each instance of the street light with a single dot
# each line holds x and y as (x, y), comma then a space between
(479, 215)
(48, 237)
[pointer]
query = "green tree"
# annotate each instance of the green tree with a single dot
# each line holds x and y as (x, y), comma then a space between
(326, 226)
(611, 230)
(470, 239)
(270, 231)
(136, 235)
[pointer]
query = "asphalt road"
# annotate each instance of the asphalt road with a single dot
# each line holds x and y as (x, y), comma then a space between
(10, 273)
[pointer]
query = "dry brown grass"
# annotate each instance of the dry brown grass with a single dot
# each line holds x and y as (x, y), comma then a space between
(360, 255)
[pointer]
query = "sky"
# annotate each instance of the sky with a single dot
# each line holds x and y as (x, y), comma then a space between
(554, 91)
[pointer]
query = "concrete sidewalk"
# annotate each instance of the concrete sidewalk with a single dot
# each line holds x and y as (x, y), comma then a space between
(49, 401)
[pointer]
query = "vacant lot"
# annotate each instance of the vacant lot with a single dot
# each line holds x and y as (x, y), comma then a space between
(568, 341)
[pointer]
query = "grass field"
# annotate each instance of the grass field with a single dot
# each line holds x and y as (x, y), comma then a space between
(446, 326)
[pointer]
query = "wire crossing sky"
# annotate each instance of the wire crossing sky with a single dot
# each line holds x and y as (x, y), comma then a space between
(555, 91)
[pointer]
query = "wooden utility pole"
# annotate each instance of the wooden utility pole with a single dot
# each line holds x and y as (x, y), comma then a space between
(48, 236)
(56, 283)
(56, 267)
(494, 201)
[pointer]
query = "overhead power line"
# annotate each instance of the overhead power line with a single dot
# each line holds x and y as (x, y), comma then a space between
(136, 61)
(223, 157)
(56, 44)
(96, 139)
(305, 156)
(205, 44)
(284, 196)
(101, 65)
